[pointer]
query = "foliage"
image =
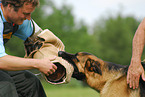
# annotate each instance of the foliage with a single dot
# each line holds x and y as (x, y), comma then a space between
(115, 36)
(15, 47)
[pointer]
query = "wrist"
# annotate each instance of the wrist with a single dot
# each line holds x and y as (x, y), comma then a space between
(136, 61)
(36, 63)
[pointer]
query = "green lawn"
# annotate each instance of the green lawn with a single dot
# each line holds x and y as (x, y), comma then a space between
(68, 91)
(71, 92)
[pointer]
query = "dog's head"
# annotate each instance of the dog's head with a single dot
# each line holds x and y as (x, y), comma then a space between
(82, 62)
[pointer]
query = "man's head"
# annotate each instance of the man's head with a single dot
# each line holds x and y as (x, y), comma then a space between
(17, 11)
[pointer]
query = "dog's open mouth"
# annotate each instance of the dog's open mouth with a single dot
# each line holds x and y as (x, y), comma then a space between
(71, 58)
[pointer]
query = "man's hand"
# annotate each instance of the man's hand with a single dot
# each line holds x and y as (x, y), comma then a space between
(135, 70)
(46, 66)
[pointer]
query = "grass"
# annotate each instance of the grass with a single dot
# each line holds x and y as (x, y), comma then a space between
(68, 90)
(71, 92)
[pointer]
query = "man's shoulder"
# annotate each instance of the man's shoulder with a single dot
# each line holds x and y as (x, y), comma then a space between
(26, 23)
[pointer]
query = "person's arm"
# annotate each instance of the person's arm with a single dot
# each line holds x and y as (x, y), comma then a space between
(135, 68)
(13, 63)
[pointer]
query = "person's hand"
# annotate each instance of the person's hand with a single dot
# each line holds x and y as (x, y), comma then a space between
(46, 66)
(135, 70)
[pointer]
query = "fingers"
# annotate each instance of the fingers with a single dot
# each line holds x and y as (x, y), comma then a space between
(55, 67)
(46, 66)
(135, 70)
(143, 76)
(133, 80)
(136, 82)
(51, 70)
(128, 77)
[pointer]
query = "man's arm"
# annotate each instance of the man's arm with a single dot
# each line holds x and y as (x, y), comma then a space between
(16, 63)
(135, 68)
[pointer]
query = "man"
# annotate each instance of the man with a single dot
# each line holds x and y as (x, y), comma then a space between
(15, 19)
(135, 69)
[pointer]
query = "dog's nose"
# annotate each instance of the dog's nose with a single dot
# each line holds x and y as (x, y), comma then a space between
(66, 55)
(60, 53)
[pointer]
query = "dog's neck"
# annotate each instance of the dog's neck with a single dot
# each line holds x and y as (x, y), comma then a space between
(110, 72)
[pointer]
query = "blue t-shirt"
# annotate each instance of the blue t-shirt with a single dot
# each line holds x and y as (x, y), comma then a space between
(23, 32)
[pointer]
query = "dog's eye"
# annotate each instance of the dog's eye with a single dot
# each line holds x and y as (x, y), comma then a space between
(97, 63)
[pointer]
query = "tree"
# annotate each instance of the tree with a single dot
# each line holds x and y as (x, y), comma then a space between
(62, 23)
(115, 37)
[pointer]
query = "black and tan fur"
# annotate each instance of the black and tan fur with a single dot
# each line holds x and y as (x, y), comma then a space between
(107, 78)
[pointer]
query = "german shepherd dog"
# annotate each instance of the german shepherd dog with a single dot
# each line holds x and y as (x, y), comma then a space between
(109, 79)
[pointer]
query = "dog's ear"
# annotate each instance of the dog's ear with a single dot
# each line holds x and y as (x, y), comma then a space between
(93, 66)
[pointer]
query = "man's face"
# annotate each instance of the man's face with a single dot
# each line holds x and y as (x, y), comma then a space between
(22, 14)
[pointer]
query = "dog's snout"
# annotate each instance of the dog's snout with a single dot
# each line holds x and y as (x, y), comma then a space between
(60, 53)
(66, 55)
(70, 58)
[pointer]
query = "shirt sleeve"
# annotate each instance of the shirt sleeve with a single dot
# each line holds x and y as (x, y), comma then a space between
(37, 28)
(24, 30)
(2, 48)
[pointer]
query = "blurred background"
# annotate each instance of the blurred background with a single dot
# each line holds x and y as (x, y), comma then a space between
(104, 28)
